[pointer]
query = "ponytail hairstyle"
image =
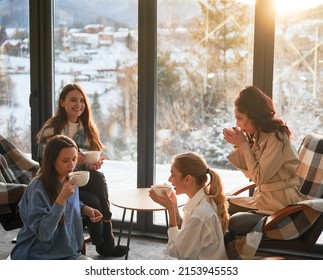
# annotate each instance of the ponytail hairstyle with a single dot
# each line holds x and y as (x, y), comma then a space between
(215, 190)
(195, 165)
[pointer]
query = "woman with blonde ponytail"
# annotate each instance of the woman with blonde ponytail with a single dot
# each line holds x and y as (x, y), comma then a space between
(199, 235)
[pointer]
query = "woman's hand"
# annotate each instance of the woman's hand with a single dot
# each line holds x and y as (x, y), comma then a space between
(94, 214)
(81, 159)
(234, 136)
(94, 166)
(170, 203)
(97, 165)
(167, 201)
(67, 190)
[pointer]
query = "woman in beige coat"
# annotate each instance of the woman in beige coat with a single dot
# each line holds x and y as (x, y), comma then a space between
(264, 153)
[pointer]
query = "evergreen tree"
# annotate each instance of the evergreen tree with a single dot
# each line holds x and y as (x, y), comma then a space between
(221, 35)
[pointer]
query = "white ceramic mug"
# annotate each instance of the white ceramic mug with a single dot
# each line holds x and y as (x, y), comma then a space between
(92, 156)
(80, 178)
(231, 130)
(158, 189)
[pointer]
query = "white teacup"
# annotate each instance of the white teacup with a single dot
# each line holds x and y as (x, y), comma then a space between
(231, 130)
(92, 156)
(80, 178)
(158, 189)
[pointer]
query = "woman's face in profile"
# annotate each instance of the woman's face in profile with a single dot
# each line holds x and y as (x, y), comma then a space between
(243, 122)
(177, 180)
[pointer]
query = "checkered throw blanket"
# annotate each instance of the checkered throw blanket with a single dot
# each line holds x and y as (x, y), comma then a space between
(310, 172)
(16, 171)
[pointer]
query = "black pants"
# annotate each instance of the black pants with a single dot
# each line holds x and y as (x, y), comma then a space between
(11, 221)
(242, 223)
(95, 195)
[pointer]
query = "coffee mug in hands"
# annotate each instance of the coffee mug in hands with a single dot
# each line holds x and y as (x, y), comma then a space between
(158, 189)
(91, 156)
(231, 130)
(80, 178)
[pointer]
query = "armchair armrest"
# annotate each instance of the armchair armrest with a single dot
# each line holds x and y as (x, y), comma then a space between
(274, 218)
(242, 188)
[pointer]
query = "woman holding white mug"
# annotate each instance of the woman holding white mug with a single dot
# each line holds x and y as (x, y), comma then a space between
(50, 209)
(264, 153)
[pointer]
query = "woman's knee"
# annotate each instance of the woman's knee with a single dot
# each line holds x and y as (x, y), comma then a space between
(90, 199)
(243, 222)
(97, 184)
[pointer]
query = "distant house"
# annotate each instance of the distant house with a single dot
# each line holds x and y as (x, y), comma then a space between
(93, 28)
(12, 47)
(84, 39)
(105, 39)
(121, 35)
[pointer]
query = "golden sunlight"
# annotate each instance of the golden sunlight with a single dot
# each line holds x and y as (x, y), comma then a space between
(285, 6)
(293, 5)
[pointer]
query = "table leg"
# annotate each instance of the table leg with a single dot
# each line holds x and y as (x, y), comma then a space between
(121, 226)
(129, 233)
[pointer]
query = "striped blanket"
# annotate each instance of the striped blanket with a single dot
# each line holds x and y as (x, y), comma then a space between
(310, 172)
(16, 171)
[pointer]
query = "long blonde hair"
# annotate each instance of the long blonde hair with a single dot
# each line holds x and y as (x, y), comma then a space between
(195, 165)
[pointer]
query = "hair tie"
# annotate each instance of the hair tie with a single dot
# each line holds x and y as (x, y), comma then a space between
(207, 171)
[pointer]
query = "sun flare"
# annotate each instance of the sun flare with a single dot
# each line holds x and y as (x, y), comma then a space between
(284, 6)
(293, 5)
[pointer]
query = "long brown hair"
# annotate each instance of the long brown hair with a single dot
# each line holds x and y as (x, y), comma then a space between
(59, 121)
(194, 164)
(259, 108)
(47, 172)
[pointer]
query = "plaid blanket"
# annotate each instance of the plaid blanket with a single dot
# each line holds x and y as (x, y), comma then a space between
(310, 172)
(16, 171)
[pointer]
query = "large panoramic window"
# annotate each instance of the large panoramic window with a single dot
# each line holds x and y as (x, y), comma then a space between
(205, 57)
(15, 73)
(96, 47)
(298, 72)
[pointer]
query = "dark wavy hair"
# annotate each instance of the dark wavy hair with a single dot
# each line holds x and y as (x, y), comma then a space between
(259, 108)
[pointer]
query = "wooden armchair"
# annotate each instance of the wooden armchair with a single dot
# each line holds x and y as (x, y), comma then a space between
(295, 229)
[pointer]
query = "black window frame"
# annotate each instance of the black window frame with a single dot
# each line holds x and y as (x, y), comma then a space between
(41, 13)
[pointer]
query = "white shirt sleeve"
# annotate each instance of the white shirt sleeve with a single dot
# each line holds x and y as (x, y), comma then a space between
(197, 240)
